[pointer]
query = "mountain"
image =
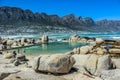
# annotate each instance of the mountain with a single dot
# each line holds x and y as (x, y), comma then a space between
(16, 20)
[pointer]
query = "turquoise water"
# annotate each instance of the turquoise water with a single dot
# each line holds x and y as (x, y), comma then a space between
(51, 48)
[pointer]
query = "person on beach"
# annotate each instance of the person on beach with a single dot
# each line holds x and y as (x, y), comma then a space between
(24, 52)
(18, 50)
(14, 52)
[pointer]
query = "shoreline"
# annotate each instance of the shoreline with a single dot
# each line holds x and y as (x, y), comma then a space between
(88, 62)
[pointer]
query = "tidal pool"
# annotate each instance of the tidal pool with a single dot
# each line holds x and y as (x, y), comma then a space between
(51, 48)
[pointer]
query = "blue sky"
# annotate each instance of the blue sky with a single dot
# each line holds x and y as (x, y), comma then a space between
(97, 9)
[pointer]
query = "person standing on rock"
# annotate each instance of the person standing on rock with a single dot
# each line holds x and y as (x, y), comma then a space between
(18, 50)
(24, 52)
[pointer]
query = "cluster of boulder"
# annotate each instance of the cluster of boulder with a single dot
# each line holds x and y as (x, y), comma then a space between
(12, 43)
(93, 60)
(77, 38)
(15, 58)
(99, 47)
(43, 40)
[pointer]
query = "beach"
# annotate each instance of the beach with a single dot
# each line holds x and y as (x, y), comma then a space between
(95, 59)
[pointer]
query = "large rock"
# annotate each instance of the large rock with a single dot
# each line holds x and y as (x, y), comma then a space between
(23, 41)
(10, 42)
(83, 40)
(80, 61)
(15, 44)
(74, 38)
(114, 51)
(96, 63)
(76, 50)
(45, 39)
(57, 63)
(91, 63)
(85, 49)
(104, 63)
(99, 40)
(101, 51)
(8, 55)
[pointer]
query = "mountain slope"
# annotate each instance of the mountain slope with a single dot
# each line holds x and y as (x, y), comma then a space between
(18, 19)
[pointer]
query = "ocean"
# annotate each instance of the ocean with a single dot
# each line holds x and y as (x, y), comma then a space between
(106, 35)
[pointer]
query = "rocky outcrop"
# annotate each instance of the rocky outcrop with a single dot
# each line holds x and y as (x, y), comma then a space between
(95, 64)
(104, 63)
(80, 61)
(92, 63)
(101, 51)
(74, 38)
(9, 55)
(82, 50)
(116, 51)
(57, 63)
(99, 40)
(77, 38)
(45, 39)
(100, 47)
(11, 43)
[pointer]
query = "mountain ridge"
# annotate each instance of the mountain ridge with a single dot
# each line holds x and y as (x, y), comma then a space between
(19, 18)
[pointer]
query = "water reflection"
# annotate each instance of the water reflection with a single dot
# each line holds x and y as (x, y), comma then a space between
(51, 48)
(44, 46)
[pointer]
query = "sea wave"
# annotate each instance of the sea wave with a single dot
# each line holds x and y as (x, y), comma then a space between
(58, 37)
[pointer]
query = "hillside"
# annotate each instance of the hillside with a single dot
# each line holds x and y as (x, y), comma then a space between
(15, 20)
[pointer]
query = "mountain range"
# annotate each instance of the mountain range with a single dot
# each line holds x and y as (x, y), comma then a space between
(16, 20)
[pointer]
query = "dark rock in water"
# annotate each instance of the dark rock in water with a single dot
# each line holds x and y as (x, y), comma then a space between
(89, 38)
(110, 40)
